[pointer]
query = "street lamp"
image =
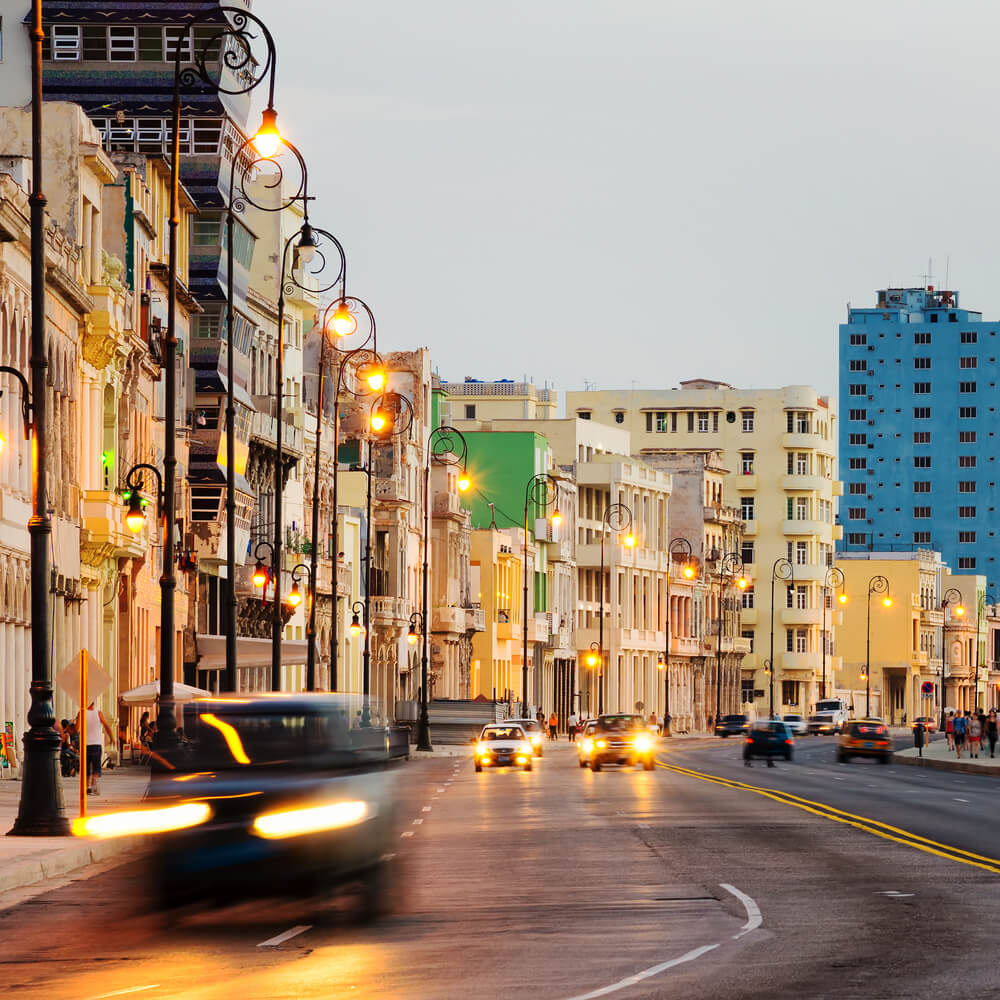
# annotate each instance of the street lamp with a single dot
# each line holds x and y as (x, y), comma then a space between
(353, 358)
(416, 632)
(731, 569)
(595, 659)
(40, 809)
(295, 595)
(542, 491)
(781, 570)
(834, 578)
(952, 599)
(618, 518)
(876, 585)
(135, 517)
(447, 446)
(678, 546)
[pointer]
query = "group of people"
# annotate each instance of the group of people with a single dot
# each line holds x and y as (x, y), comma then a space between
(966, 731)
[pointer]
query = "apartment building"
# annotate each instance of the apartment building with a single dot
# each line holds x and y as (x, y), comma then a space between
(779, 449)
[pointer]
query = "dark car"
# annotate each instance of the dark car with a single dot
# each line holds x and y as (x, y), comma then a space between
(732, 725)
(768, 738)
(280, 797)
(621, 739)
(865, 738)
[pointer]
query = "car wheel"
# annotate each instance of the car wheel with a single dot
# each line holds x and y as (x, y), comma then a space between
(527, 766)
(479, 768)
(842, 758)
(647, 764)
(377, 896)
(788, 756)
(723, 735)
(884, 759)
(583, 763)
(595, 766)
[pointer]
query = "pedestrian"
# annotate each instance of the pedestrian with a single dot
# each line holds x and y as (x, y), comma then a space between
(991, 731)
(653, 724)
(572, 722)
(553, 725)
(958, 728)
(145, 730)
(975, 736)
(949, 729)
(95, 745)
(667, 719)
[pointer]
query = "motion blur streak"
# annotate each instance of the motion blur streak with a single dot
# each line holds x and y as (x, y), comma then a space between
(127, 824)
(230, 735)
(296, 822)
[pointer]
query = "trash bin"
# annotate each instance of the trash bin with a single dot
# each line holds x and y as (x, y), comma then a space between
(919, 735)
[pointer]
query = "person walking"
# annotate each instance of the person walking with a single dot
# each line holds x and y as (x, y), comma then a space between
(958, 728)
(572, 722)
(553, 726)
(95, 745)
(991, 731)
(949, 730)
(975, 735)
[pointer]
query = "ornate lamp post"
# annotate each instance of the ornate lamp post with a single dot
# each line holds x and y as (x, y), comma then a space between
(594, 659)
(731, 569)
(447, 446)
(952, 599)
(876, 585)
(833, 580)
(678, 546)
(541, 491)
(295, 595)
(781, 570)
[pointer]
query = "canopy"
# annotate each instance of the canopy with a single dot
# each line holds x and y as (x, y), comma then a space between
(148, 694)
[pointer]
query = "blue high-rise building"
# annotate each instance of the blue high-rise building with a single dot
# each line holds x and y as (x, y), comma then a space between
(918, 429)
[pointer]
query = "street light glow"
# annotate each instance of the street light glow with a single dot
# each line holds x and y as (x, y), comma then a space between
(355, 627)
(378, 421)
(630, 541)
(464, 482)
(376, 378)
(743, 583)
(259, 575)
(135, 518)
(267, 140)
(887, 602)
(842, 598)
(688, 571)
(344, 321)
(556, 518)
(295, 596)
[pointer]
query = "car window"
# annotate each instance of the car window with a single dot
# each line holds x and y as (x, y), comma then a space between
(503, 733)
(734, 718)
(619, 723)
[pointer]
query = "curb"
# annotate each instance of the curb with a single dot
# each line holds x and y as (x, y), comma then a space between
(947, 765)
(53, 863)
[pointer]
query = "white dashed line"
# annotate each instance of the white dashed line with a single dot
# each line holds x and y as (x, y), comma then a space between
(406, 833)
(440, 790)
(283, 937)
(121, 993)
(417, 822)
(427, 809)
(966, 801)
(754, 918)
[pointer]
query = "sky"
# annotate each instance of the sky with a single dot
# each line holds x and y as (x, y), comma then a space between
(635, 192)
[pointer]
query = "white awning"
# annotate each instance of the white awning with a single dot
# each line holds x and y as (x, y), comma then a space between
(249, 652)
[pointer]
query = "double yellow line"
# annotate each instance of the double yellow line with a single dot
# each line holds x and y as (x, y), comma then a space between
(872, 826)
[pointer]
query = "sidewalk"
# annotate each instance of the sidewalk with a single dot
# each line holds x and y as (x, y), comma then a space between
(27, 860)
(937, 755)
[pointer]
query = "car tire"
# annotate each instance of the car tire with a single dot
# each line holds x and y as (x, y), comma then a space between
(724, 735)
(583, 763)
(842, 758)
(377, 893)
(788, 756)
(884, 759)
(647, 764)
(479, 768)
(595, 766)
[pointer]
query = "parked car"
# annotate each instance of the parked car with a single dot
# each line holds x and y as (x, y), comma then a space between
(502, 744)
(621, 739)
(585, 742)
(928, 722)
(768, 738)
(732, 725)
(535, 732)
(865, 738)
(796, 723)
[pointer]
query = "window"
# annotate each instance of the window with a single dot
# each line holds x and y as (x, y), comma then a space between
(921, 538)
(921, 388)
(746, 553)
(207, 326)
(857, 415)
(921, 363)
(746, 683)
(789, 644)
(921, 413)
(747, 508)
(857, 513)
(858, 439)
(170, 45)
(584, 414)
(243, 244)
(859, 339)
(857, 489)
(967, 486)
(966, 562)
(619, 418)
(857, 463)
(966, 437)
(802, 508)
(966, 413)
(967, 362)
(122, 44)
(470, 411)
(921, 513)
(746, 463)
(748, 597)
(205, 232)
(967, 537)
(858, 365)
(801, 553)
(921, 338)
(921, 437)
(966, 387)
(661, 423)
(702, 423)
(969, 337)
(690, 417)
(65, 41)
(966, 461)
(923, 486)
(802, 463)
(966, 511)
(921, 461)
(856, 538)
(747, 416)
(858, 389)
(748, 633)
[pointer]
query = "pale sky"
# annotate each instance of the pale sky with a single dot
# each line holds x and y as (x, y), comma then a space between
(648, 190)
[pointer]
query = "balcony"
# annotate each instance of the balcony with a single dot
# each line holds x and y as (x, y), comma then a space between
(800, 441)
(806, 528)
(720, 514)
(684, 645)
(748, 616)
(538, 628)
(103, 534)
(730, 644)
(801, 616)
(746, 481)
(838, 488)
(447, 505)
(389, 490)
(390, 611)
(750, 527)
(448, 619)
(806, 483)
(920, 658)
(799, 661)
(264, 428)
(506, 629)
(475, 620)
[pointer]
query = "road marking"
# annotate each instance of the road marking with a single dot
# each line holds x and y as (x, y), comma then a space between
(966, 801)
(875, 827)
(440, 790)
(646, 973)
(894, 894)
(427, 809)
(284, 936)
(754, 917)
(406, 833)
(121, 993)
(417, 822)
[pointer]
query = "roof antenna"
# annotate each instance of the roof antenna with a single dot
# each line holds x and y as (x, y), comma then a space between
(493, 516)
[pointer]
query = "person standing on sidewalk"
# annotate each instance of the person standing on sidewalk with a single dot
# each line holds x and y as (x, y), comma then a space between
(991, 731)
(958, 728)
(572, 722)
(95, 745)
(553, 726)
(949, 730)
(975, 735)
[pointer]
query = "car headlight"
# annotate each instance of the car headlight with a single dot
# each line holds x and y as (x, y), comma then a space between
(522, 759)
(142, 821)
(588, 745)
(314, 819)
(643, 742)
(536, 739)
(602, 744)
(482, 749)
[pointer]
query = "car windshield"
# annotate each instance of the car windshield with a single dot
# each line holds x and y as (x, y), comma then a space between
(793, 718)
(503, 733)
(769, 727)
(528, 725)
(734, 718)
(619, 723)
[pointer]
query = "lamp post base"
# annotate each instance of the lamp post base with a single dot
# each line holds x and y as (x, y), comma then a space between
(41, 812)
(424, 730)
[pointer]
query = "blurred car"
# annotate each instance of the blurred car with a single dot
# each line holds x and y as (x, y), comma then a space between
(796, 723)
(865, 738)
(929, 723)
(502, 745)
(621, 739)
(585, 742)
(831, 716)
(273, 796)
(732, 725)
(768, 738)
(535, 731)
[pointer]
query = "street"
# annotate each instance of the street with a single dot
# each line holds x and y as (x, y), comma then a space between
(568, 884)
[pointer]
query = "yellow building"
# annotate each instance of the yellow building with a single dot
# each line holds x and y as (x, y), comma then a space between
(901, 643)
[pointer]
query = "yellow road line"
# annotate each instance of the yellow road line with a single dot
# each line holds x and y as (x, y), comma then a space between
(824, 811)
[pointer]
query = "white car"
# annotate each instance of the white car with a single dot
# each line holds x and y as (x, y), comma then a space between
(796, 723)
(502, 744)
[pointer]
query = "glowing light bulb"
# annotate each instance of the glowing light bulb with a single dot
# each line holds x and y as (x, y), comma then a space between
(630, 541)
(959, 611)
(376, 379)
(842, 598)
(688, 571)
(556, 517)
(344, 321)
(887, 602)
(259, 575)
(378, 422)
(411, 637)
(136, 517)
(295, 596)
(743, 583)
(355, 627)
(268, 139)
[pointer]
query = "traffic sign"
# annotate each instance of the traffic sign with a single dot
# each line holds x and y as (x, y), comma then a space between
(927, 688)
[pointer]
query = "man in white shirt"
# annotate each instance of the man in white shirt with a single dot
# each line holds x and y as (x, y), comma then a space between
(95, 745)
(571, 723)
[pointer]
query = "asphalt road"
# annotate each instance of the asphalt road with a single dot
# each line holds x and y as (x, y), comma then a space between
(565, 884)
